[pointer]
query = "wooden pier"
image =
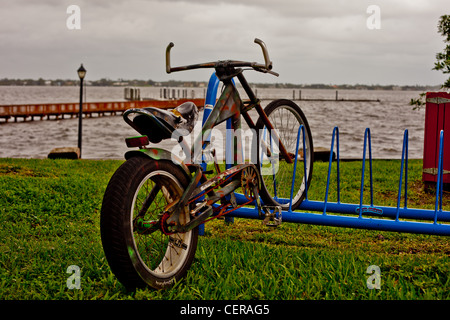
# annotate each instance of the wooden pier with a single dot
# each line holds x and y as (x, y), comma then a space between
(28, 112)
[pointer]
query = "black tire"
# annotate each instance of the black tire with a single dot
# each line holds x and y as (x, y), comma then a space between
(138, 260)
(286, 118)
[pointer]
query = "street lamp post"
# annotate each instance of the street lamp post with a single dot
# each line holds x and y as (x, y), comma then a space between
(81, 74)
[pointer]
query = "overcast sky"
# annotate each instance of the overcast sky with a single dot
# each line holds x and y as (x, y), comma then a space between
(309, 41)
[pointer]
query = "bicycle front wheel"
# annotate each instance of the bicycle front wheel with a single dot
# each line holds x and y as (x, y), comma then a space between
(286, 118)
(138, 194)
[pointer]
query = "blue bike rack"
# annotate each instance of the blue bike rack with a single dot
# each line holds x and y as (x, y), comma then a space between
(358, 216)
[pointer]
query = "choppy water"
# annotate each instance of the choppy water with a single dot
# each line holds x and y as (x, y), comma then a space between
(103, 137)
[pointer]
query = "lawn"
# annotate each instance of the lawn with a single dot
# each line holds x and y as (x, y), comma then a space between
(49, 217)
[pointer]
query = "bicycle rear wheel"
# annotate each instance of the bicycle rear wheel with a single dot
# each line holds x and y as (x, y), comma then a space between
(138, 194)
(286, 118)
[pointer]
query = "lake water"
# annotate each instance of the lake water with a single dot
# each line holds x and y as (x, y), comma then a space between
(103, 137)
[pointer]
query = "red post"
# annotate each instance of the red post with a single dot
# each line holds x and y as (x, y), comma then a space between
(437, 118)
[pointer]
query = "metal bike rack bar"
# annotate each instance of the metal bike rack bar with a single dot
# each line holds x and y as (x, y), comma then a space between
(361, 216)
(360, 220)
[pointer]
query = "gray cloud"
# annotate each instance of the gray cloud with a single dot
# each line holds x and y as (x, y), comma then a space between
(309, 41)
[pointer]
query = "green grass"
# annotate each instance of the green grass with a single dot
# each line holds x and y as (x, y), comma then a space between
(49, 217)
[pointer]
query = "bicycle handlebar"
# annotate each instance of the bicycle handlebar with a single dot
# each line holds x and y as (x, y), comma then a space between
(266, 68)
(265, 53)
(170, 46)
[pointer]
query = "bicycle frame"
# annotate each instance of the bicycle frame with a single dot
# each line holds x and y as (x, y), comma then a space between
(228, 106)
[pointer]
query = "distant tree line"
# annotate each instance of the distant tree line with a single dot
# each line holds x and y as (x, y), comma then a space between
(104, 82)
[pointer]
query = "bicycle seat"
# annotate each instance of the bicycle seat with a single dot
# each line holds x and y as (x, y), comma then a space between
(182, 119)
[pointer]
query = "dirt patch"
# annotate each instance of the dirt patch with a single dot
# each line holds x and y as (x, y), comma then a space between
(21, 171)
(418, 196)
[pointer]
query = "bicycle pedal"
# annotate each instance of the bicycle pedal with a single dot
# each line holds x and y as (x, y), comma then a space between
(272, 216)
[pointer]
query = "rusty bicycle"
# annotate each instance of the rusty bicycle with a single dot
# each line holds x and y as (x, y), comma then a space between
(155, 201)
